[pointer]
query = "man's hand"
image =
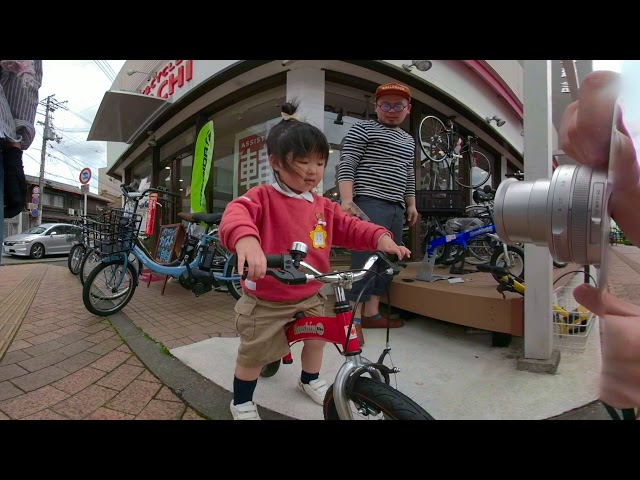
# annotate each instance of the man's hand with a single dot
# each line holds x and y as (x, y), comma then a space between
(412, 215)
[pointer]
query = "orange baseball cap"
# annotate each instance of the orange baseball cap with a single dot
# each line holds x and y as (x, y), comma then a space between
(393, 88)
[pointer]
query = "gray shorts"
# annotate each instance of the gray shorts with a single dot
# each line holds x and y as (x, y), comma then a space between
(392, 217)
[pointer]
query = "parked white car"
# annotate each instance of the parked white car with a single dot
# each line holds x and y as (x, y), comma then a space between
(45, 239)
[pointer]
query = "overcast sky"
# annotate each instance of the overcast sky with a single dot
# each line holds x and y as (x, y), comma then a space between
(82, 84)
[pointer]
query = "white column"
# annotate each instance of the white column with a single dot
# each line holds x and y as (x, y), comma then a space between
(538, 151)
(306, 84)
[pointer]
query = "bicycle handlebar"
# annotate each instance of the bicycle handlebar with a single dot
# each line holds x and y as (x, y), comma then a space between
(284, 268)
(129, 192)
(493, 269)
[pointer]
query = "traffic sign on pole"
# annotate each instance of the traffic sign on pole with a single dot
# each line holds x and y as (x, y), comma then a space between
(85, 176)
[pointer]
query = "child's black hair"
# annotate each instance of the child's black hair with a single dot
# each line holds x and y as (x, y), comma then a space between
(292, 138)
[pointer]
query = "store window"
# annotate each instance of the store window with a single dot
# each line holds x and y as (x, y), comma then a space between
(141, 174)
(240, 156)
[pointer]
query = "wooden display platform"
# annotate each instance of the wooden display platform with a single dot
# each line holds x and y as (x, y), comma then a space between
(475, 303)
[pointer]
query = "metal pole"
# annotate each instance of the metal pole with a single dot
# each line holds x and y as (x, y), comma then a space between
(46, 135)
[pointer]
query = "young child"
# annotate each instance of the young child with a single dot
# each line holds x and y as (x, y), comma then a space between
(267, 220)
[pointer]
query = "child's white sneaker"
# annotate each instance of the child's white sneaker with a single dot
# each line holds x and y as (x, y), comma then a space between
(245, 411)
(316, 389)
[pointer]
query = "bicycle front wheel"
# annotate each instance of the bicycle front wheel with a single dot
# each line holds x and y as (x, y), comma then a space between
(231, 270)
(434, 141)
(372, 399)
(74, 261)
(90, 261)
(109, 288)
(476, 165)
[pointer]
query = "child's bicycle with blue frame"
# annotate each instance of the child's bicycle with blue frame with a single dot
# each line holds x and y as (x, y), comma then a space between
(111, 285)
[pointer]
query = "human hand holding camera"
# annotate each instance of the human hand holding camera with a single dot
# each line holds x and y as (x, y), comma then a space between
(588, 137)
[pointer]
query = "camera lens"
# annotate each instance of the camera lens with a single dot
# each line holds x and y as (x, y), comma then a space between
(568, 214)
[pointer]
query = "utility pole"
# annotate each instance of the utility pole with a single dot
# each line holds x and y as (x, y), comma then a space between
(50, 105)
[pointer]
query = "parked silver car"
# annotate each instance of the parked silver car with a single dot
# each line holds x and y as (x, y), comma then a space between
(45, 239)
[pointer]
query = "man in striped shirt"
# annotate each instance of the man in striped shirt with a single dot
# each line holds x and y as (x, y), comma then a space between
(376, 172)
(20, 81)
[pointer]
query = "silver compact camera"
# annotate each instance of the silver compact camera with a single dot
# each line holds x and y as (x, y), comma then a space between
(568, 213)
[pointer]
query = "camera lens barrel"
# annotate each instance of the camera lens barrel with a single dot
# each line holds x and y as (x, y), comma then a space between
(568, 214)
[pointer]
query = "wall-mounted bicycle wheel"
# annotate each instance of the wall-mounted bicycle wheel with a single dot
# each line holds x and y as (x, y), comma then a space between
(433, 137)
(476, 167)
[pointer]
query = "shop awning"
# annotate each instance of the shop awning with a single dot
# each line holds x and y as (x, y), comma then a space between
(122, 114)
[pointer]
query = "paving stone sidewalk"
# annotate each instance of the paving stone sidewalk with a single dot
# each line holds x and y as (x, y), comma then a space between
(66, 363)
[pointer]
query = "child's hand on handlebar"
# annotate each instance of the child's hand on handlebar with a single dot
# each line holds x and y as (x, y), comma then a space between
(387, 245)
(248, 250)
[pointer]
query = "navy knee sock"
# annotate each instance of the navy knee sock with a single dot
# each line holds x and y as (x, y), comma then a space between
(243, 390)
(307, 377)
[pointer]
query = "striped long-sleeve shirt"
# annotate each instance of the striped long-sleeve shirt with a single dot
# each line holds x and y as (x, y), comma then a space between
(18, 105)
(379, 161)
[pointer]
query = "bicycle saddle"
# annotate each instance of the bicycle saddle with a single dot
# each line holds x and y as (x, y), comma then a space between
(479, 196)
(208, 218)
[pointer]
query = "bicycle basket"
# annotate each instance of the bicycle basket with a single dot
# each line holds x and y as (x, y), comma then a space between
(571, 321)
(115, 231)
(440, 202)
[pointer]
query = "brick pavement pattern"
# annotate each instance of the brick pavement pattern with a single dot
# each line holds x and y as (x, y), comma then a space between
(66, 363)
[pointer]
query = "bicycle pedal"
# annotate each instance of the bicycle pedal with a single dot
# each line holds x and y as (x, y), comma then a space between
(221, 289)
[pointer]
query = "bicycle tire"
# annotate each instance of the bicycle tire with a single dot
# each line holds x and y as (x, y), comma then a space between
(74, 260)
(230, 269)
(480, 160)
(124, 297)
(270, 369)
(434, 142)
(89, 263)
(498, 260)
(380, 397)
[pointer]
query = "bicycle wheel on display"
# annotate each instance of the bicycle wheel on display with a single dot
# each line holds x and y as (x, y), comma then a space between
(74, 260)
(108, 288)
(375, 400)
(514, 263)
(434, 141)
(478, 167)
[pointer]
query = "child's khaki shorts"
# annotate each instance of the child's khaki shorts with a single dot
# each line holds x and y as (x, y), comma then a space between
(260, 324)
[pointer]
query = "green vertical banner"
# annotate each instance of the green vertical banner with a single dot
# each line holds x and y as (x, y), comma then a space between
(201, 168)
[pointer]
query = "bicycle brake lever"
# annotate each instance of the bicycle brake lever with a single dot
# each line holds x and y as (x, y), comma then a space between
(289, 275)
(393, 266)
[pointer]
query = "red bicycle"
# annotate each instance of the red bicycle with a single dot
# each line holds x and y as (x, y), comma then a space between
(361, 387)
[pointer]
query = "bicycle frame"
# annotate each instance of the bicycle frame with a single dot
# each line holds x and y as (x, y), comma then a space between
(175, 269)
(334, 330)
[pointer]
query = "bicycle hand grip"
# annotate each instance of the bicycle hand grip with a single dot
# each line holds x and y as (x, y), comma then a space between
(273, 261)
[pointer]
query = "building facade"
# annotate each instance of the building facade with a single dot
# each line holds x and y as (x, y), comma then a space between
(153, 113)
(60, 203)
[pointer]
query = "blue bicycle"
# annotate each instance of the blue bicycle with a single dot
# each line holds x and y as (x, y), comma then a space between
(203, 263)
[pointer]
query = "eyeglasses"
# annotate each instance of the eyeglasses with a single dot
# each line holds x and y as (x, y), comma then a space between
(386, 107)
